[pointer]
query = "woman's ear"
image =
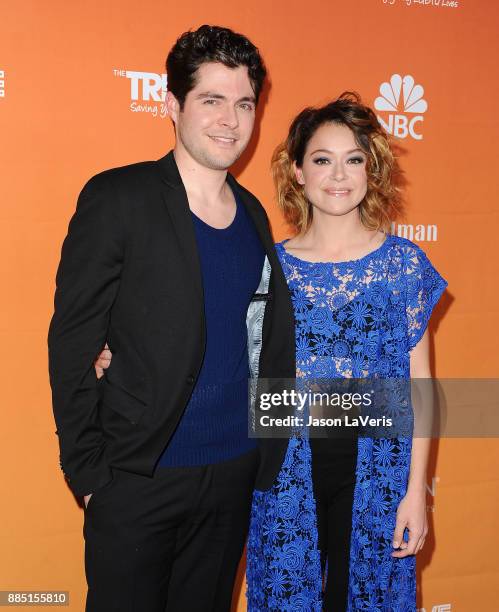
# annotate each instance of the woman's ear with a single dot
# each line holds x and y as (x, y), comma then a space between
(298, 174)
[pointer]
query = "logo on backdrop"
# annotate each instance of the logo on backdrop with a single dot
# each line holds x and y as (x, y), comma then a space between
(147, 91)
(424, 3)
(2, 83)
(402, 106)
(431, 489)
(416, 233)
(446, 607)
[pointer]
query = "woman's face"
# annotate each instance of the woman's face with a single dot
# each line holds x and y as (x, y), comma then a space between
(334, 171)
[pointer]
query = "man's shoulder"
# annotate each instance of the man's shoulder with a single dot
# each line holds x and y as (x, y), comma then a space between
(124, 178)
(249, 197)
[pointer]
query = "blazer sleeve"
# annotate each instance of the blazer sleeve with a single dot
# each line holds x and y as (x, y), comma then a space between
(87, 283)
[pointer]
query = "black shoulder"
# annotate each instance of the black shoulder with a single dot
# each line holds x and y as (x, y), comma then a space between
(247, 193)
(124, 178)
(249, 198)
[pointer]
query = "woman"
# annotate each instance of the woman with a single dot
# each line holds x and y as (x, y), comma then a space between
(346, 513)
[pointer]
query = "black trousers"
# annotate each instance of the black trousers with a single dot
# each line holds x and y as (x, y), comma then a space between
(168, 543)
(333, 474)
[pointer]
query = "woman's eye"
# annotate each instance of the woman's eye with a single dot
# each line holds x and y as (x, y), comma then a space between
(356, 160)
(320, 161)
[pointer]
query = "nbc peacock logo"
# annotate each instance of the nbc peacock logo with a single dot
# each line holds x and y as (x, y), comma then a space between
(403, 100)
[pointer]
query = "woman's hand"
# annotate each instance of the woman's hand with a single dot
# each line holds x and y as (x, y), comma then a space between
(103, 361)
(411, 513)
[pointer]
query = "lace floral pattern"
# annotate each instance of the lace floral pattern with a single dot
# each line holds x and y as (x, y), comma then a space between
(353, 319)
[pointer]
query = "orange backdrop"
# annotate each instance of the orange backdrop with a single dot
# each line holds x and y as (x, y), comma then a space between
(72, 104)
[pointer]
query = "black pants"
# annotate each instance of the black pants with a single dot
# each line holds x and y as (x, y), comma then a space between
(168, 543)
(333, 474)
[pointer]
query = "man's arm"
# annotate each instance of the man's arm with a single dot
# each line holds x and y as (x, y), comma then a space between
(87, 283)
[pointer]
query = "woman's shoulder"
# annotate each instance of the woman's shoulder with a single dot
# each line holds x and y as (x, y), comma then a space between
(404, 244)
(407, 251)
(413, 264)
(279, 247)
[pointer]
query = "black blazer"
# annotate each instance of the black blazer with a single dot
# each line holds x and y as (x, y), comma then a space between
(130, 275)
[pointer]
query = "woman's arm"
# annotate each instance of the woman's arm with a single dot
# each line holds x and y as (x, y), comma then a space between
(411, 512)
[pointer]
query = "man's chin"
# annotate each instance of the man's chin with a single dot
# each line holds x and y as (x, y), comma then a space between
(223, 160)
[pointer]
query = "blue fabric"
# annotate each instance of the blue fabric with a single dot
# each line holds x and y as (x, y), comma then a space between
(354, 319)
(214, 426)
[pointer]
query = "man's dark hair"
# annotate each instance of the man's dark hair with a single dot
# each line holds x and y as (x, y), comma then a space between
(211, 44)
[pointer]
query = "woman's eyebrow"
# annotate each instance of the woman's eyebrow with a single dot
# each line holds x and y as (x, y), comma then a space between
(329, 151)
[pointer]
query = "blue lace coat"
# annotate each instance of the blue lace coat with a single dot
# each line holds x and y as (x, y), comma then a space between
(353, 319)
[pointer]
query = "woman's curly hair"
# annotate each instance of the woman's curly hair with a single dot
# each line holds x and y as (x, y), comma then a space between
(382, 200)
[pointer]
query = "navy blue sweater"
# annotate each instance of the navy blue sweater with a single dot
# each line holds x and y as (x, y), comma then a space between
(214, 426)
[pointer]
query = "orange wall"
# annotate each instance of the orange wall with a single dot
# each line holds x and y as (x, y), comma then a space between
(65, 115)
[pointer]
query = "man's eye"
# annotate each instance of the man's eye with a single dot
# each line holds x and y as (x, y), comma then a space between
(247, 107)
(210, 101)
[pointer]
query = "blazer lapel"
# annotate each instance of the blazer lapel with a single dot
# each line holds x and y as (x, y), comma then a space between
(177, 205)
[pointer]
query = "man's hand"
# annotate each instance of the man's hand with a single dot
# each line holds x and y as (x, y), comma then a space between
(103, 361)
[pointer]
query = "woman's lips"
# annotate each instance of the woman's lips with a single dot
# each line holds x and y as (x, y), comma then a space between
(337, 193)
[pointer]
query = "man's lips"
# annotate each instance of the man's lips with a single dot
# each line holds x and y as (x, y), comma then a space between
(228, 140)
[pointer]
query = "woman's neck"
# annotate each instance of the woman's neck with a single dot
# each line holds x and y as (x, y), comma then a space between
(335, 238)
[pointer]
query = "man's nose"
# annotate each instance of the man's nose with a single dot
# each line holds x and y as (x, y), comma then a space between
(229, 117)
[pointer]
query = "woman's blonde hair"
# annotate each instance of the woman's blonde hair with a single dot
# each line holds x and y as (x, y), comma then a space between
(382, 200)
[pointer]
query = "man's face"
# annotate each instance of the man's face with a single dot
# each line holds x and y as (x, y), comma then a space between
(216, 123)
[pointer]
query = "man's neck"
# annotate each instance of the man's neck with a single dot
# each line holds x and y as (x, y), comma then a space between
(201, 183)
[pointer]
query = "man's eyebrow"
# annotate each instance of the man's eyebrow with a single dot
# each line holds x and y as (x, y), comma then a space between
(209, 94)
(328, 151)
(251, 99)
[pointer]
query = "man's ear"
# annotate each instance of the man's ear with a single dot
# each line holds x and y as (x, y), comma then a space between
(172, 106)
(298, 174)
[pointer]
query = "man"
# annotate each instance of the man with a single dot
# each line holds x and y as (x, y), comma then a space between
(171, 263)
